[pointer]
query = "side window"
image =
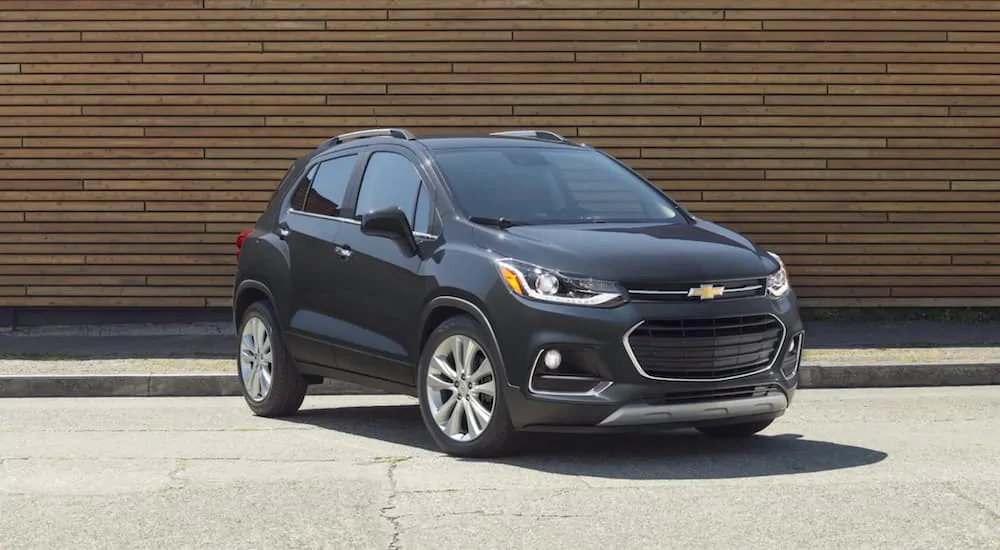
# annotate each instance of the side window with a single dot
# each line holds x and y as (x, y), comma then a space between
(329, 186)
(299, 196)
(391, 180)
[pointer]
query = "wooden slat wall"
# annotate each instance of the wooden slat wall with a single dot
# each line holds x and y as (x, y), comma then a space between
(859, 138)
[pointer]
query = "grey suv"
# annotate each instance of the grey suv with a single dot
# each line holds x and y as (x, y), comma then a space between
(511, 282)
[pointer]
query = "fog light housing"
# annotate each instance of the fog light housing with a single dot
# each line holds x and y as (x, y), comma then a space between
(567, 369)
(552, 359)
(793, 357)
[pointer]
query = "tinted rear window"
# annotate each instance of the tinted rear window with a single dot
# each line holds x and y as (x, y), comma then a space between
(329, 186)
(534, 185)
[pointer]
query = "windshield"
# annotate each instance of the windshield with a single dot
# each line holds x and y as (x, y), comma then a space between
(532, 185)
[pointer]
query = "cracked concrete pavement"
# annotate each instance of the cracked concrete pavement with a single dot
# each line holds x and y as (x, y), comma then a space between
(898, 468)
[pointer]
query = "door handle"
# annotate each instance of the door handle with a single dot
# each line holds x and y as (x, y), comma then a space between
(282, 230)
(343, 251)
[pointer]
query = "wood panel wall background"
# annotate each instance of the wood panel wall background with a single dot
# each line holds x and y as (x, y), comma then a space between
(859, 139)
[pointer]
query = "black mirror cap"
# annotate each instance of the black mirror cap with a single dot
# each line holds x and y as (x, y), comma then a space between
(390, 223)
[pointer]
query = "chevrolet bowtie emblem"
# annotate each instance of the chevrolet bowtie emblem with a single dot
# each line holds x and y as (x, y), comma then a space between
(707, 292)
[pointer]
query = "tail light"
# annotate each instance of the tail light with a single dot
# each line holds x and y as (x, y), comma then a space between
(239, 240)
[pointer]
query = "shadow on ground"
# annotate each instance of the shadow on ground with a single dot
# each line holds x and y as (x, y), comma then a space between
(665, 455)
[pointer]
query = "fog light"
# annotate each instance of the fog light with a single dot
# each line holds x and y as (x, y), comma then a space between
(791, 346)
(552, 359)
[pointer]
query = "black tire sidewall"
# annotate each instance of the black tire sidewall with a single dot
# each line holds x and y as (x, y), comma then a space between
(495, 439)
(286, 382)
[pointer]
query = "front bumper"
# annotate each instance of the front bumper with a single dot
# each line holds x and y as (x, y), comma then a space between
(628, 396)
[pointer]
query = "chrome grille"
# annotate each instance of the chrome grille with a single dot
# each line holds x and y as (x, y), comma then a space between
(706, 349)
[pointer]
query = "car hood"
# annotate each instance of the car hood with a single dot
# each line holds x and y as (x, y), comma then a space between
(634, 253)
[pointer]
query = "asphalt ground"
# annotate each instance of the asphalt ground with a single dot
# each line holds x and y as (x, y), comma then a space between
(900, 468)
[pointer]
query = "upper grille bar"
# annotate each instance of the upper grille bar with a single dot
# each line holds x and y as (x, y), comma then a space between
(743, 288)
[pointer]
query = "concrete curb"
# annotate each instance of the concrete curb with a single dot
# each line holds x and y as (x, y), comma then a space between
(146, 385)
(204, 385)
(890, 376)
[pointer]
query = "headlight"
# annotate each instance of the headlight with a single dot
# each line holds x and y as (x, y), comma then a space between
(777, 282)
(538, 283)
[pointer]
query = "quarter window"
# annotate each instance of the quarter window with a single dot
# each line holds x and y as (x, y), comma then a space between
(299, 197)
(329, 186)
(422, 215)
(391, 180)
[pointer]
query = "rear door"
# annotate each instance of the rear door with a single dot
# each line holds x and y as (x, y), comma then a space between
(311, 228)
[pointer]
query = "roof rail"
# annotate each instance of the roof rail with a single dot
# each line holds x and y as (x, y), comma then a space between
(374, 132)
(537, 134)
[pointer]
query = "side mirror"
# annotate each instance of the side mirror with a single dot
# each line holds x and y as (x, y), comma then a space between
(390, 223)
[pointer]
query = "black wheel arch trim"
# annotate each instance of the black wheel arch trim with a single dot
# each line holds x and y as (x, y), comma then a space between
(472, 309)
(242, 287)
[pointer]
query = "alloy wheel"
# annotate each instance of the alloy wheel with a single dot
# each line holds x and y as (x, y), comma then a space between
(461, 388)
(256, 359)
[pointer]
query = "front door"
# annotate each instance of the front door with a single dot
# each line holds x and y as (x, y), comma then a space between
(383, 291)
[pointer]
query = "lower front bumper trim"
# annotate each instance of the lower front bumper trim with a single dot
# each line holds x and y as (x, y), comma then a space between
(631, 415)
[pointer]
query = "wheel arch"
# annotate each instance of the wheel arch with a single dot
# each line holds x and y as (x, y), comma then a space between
(445, 306)
(248, 292)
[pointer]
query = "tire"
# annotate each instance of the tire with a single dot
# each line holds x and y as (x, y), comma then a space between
(469, 397)
(287, 388)
(746, 429)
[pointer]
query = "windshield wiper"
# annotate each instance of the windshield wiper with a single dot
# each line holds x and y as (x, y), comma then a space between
(501, 222)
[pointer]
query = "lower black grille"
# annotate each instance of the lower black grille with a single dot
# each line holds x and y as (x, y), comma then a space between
(705, 349)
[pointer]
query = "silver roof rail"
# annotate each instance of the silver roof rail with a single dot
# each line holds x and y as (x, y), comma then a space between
(537, 134)
(398, 133)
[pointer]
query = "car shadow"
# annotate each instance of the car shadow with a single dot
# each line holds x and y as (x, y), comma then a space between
(681, 454)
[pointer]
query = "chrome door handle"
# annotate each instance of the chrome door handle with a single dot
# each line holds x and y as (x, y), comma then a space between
(343, 251)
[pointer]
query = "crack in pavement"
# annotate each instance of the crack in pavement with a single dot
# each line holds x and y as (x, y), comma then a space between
(394, 543)
(972, 500)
